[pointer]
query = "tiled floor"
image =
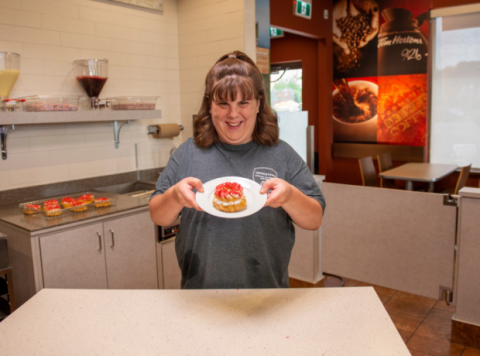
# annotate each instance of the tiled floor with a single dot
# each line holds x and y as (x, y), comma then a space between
(424, 323)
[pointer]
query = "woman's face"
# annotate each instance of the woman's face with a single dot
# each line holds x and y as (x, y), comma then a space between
(234, 121)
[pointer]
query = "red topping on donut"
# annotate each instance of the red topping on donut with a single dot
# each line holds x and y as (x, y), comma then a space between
(33, 206)
(52, 207)
(77, 203)
(229, 188)
(68, 200)
(51, 201)
(86, 197)
(101, 200)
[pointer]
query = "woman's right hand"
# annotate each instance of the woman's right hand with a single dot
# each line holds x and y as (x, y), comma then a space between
(183, 192)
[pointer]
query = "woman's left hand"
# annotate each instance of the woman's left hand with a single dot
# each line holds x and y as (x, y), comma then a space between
(280, 193)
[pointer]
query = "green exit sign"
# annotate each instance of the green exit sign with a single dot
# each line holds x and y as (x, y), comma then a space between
(302, 8)
(276, 32)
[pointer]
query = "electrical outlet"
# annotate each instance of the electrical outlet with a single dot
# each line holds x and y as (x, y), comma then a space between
(325, 14)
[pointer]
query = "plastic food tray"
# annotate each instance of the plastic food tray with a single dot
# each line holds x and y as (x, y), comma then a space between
(62, 211)
(66, 211)
(133, 102)
(10, 105)
(91, 206)
(51, 103)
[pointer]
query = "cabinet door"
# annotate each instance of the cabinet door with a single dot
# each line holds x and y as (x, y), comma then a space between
(74, 258)
(131, 252)
(172, 275)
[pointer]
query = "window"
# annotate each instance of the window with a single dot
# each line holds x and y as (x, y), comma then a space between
(286, 87)
(455, 88)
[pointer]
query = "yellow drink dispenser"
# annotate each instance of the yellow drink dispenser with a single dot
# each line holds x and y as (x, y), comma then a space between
(9, 72)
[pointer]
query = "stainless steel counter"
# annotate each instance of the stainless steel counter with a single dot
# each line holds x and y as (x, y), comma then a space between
(13, 215)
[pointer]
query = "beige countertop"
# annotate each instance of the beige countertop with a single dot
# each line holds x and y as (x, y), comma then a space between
(323, 321)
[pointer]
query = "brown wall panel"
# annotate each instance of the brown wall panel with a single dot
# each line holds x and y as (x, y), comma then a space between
(292, 48)
(281, 15)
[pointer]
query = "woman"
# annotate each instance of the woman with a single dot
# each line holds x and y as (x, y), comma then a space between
(236, 134)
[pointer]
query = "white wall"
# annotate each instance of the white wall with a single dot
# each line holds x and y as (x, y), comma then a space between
(158, 54)
(142, 48)
(208, 29)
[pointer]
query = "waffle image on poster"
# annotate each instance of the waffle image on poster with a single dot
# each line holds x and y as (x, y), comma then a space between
(402, 110)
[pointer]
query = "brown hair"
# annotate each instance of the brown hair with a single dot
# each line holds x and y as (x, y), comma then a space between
(231, 72)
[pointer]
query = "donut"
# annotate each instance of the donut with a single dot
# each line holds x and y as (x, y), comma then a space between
(229, 197)
(78, 206)
(32, 209)
(67, 202)
(52, 203)
(102, 202)
(52, 210)
(87, 198)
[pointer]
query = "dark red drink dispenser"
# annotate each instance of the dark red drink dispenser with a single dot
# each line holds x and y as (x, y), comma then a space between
(92, 74)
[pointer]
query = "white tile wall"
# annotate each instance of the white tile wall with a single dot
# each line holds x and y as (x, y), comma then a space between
(207, 30)
(142, 48)
(156, 54)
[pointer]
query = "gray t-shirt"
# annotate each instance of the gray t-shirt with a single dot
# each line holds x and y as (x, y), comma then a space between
(249, 252)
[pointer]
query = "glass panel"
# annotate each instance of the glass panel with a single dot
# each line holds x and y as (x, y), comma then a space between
(286, 90)
(455, 114)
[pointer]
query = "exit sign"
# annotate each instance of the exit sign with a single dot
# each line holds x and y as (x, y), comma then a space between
(302, 8)
(276, 32)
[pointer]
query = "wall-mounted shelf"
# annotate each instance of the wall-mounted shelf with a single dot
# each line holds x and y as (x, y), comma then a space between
(66, 117)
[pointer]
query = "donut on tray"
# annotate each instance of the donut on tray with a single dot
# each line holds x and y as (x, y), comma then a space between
(229, 197)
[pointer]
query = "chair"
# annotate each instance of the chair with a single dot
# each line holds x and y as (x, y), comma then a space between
(461, 181)
(385, 164)
(367, 170)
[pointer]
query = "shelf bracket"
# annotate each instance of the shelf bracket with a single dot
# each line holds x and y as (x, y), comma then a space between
(3, 140)
(116, 131)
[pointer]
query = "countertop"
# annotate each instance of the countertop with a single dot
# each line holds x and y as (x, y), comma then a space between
(316, 321)
(12, 214)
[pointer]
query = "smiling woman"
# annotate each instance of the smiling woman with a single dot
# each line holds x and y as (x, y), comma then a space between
(236, 138)
(235, 97)
(234, 120)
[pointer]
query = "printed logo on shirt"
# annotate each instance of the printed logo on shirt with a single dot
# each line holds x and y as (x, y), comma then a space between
(261, 174)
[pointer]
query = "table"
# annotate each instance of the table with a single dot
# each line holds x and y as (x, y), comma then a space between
(420, 172)
(310, 321)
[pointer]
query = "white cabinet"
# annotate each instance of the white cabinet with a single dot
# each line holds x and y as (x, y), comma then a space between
(172, 275)
(130, 252)
(117, 254)
(74, 258)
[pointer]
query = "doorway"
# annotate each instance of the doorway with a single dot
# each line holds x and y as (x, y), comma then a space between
(286, 86)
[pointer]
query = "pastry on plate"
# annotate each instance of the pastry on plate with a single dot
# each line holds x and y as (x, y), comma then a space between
(67, 202)
(87, 198)
(78, 206)
(102, 202)
(229, 197)
(32, 209)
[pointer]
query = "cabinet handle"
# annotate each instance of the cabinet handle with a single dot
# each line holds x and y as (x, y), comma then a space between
(99, 241)
(113, 239)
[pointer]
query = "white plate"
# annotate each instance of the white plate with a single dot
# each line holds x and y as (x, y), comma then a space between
(251, 189)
